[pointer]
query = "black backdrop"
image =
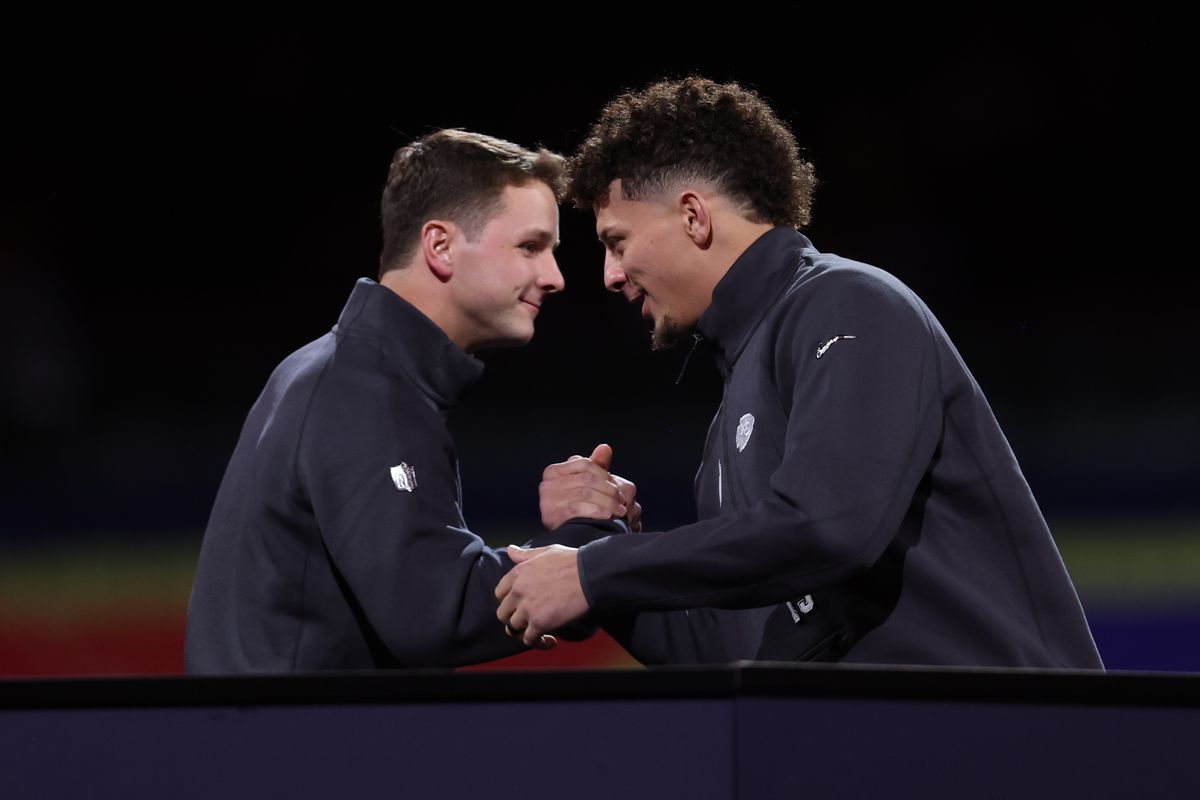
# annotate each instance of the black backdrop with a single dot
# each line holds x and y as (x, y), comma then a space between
(186, 199)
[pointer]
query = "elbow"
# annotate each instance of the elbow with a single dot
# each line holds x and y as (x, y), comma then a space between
(838, 548)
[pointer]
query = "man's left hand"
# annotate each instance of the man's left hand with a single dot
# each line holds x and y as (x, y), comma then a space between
(541, 593)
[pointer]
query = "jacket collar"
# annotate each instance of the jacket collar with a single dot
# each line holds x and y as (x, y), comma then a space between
(758, 278)
(412, 346)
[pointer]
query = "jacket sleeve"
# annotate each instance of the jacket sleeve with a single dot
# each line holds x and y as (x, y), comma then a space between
(382, 478)
(863, 423)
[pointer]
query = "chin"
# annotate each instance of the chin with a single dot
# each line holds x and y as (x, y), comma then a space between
(516, 339)
(668, 333)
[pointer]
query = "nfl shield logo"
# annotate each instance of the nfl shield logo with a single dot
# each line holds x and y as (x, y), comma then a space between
(405, 477)
(744, 429)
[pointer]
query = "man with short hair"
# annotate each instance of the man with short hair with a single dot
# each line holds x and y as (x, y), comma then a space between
(337, 539)
(857, 500)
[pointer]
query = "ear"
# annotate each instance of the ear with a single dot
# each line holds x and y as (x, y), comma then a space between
(436, 236)
(697, 217)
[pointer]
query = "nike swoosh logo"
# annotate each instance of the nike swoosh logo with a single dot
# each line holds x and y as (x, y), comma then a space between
(821, 350)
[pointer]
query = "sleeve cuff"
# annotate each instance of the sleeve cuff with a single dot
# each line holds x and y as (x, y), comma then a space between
(579, 532)
(583, 579)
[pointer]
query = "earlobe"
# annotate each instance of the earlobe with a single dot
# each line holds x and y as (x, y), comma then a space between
(436, 238)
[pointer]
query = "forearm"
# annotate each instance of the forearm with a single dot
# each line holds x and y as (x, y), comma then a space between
(763, 555)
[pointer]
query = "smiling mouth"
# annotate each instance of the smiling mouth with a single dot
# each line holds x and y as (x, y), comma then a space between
(532, 305)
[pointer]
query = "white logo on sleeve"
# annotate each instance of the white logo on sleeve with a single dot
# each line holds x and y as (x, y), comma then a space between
(801, 608)
(744, 429)
(821, 350)
(404, 476)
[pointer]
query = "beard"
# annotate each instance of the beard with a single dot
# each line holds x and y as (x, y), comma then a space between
(669, 333)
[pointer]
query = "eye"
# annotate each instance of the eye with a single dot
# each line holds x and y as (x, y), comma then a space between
(532, 248)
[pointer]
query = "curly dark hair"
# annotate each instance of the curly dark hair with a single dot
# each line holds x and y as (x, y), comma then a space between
(690, 129)
(458, 175)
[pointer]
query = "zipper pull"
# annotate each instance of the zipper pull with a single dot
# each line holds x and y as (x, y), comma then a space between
(696, 339)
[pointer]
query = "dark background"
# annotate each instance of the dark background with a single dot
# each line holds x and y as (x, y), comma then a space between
(186, 199)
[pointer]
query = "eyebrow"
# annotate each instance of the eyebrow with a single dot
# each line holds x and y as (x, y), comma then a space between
(606, 235)
(543, 237)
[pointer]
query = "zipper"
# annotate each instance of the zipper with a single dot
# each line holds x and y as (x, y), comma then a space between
(696, 339)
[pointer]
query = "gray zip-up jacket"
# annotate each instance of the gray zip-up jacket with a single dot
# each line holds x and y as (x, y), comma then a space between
(857, 499)
(337, 539)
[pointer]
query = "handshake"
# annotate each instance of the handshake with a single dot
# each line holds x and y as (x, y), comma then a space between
(543, 591)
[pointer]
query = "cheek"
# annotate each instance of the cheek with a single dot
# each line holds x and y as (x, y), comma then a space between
(505, 279)
(523, 272)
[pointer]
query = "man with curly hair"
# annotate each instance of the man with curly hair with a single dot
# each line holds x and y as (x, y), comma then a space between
(857, 500)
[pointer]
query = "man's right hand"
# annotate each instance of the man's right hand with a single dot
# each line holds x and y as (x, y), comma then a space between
(584, 487)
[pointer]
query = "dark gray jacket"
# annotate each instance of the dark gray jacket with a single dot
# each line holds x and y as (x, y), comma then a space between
(857, 500)
(337, 539)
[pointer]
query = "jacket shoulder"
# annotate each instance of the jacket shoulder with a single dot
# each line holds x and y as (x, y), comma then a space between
(848, 285)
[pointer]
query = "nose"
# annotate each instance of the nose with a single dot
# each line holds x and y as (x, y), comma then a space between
(550, 278)
(614, 276)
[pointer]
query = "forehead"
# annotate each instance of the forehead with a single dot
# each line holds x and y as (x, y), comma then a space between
(620, 213)
(528, 205)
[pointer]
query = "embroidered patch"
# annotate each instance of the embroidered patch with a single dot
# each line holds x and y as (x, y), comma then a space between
(744, 429)
(799, 609)
(821, 350)
(404, 476)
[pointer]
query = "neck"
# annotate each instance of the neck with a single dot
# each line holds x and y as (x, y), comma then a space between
(733, 236)
(412, 284)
